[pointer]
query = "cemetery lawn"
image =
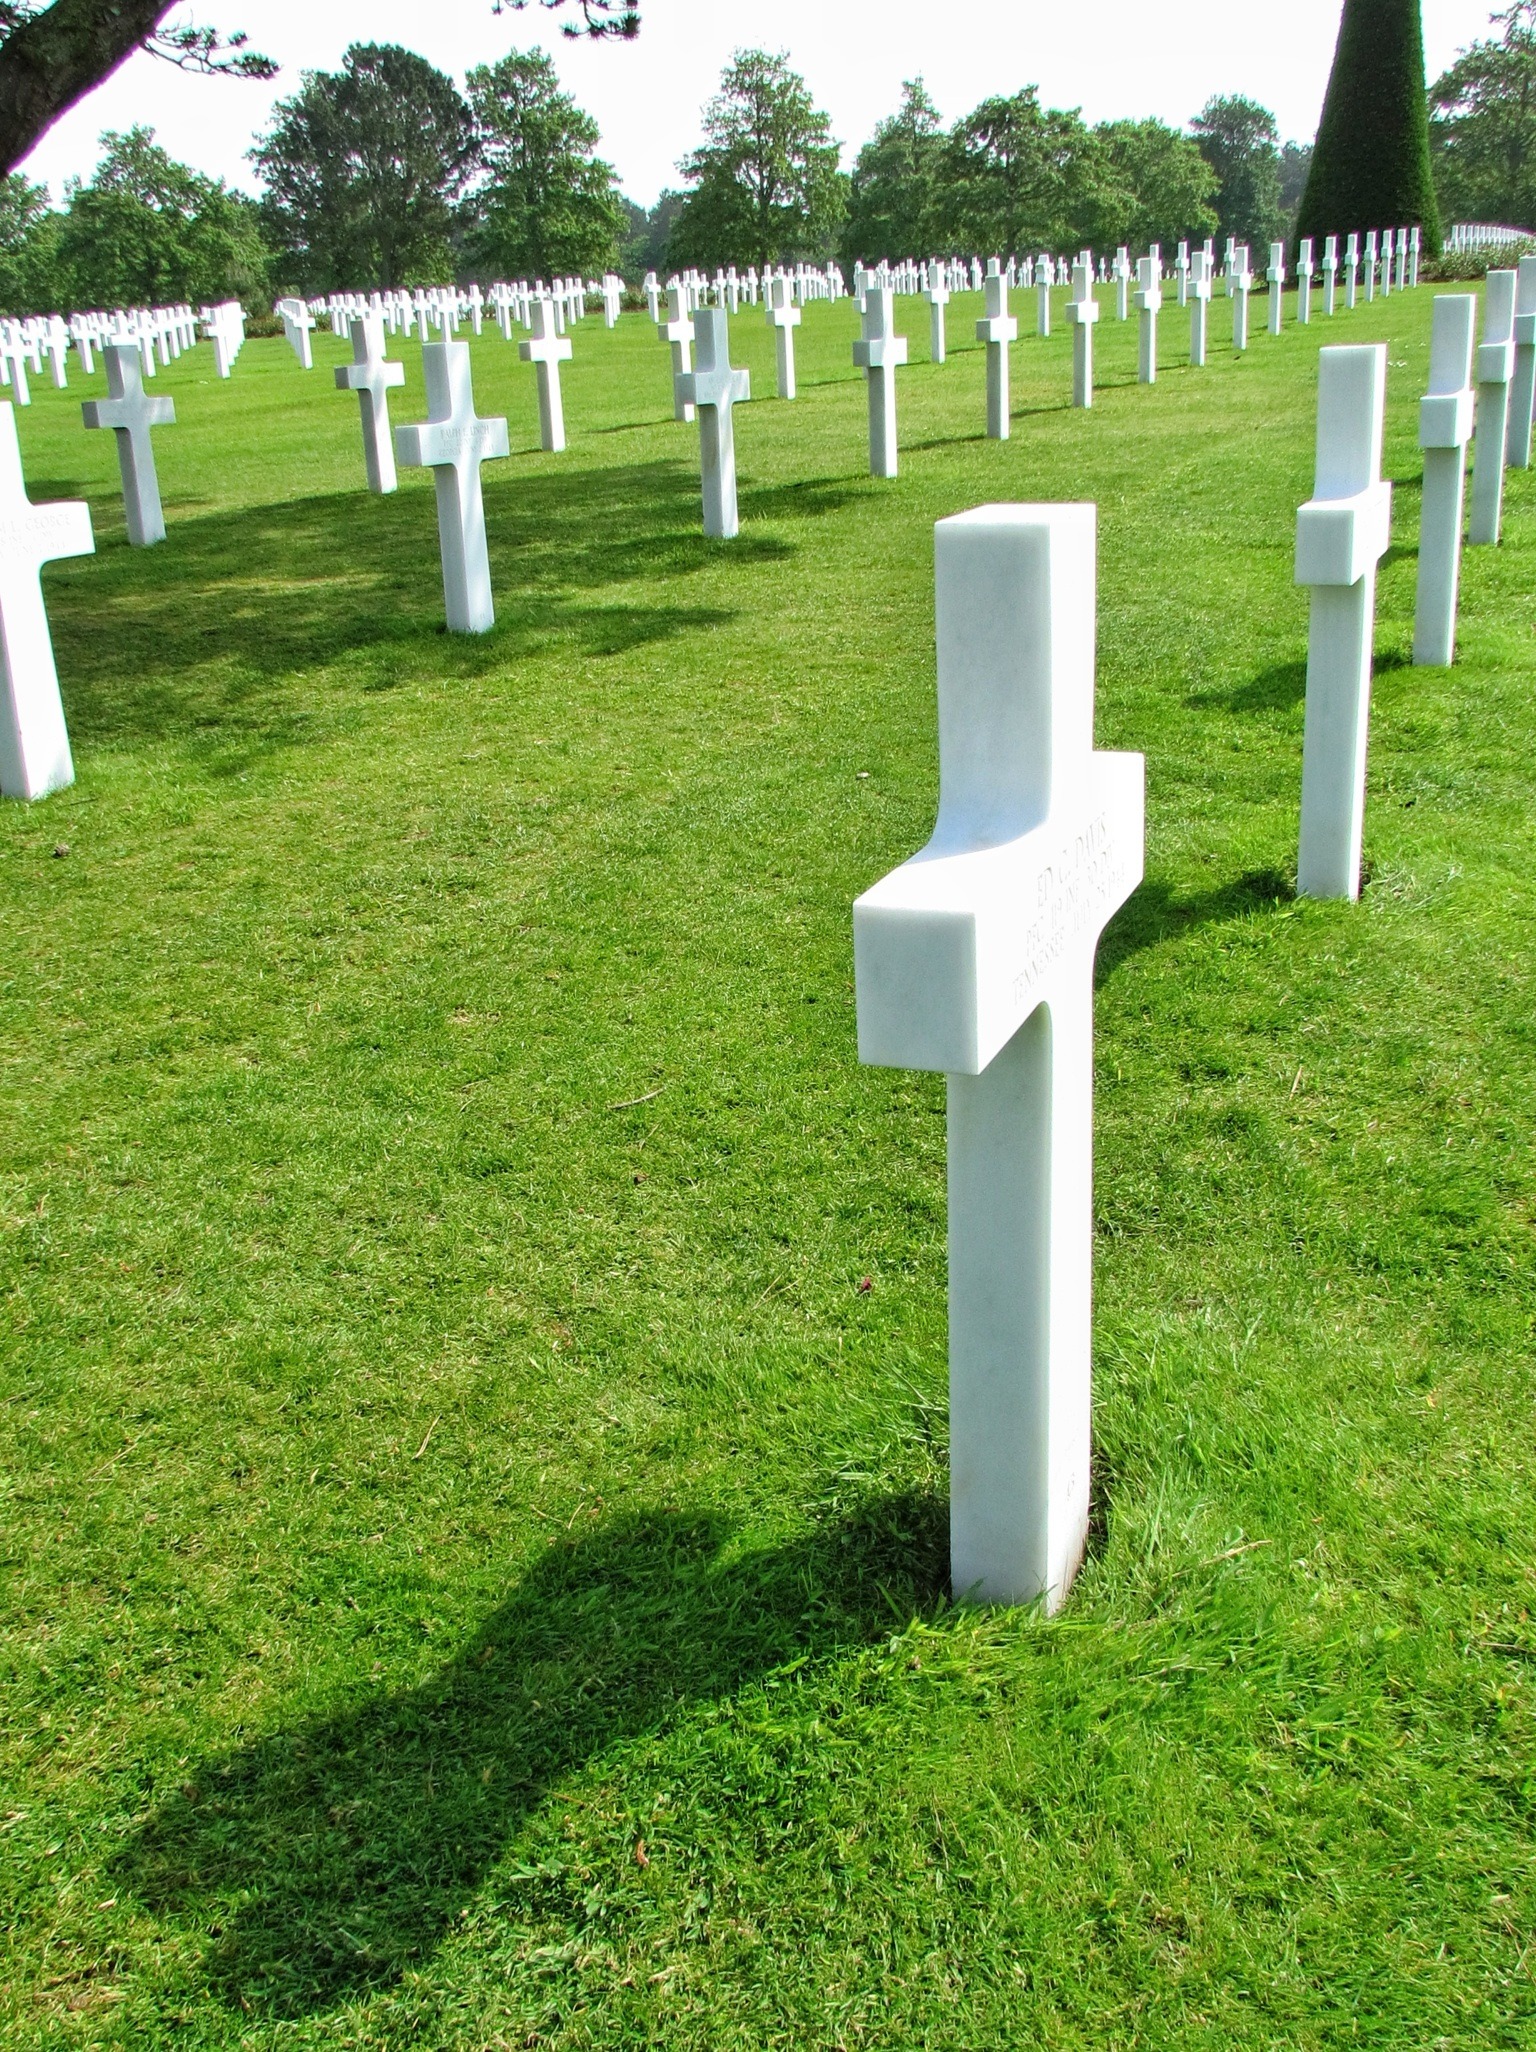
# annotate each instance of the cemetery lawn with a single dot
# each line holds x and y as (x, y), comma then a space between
(472, 1384)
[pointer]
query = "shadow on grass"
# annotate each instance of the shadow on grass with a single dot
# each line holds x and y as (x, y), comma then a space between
(1276, 689)
(327, 1860)
(217, 633)
(1157, 913)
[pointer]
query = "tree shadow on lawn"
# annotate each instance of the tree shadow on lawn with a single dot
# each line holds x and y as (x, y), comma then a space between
(1157, 913)
(328, 1859)
(222, 626)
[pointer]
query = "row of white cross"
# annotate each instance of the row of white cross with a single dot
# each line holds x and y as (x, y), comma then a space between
(975, 959)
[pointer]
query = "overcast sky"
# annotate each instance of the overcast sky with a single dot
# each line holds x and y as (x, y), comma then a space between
(1109, 57)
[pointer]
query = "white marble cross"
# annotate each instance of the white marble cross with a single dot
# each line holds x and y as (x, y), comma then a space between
(877, 353)
(1045, 277)
(1351, 271)
(997, 329)
(712, 390)
(1149, 298)
(783, 316)
(1200, 288)
(1239, 285)
(547, 350)
(34, 741)
(1082, 312)
(453, 442)
(1522, 392)
(1122, 274)
(1445, 428)
(1341, 535)
(1370, 267)
(1276, 277)
(1181, 273)
(677, 329)
(938, 298)
(1495, 370)
(975, 958)
(297, 323)
(130, 412)
(370, 375)
(613, 298)
(1304, 282)
(1330, 273)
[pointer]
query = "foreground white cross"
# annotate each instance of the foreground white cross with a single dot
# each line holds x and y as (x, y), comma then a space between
(976, 959)
(453, 442)
(547, 349)
(1495, 369)
(783, 316)
(34, 741)
(130, 412)
(997, 329)
(713, 389)
(877, 354)
(1445, 428)
(1341, 535)
(370, 375)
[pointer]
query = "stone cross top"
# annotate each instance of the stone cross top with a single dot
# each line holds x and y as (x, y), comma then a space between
(370, 376)
(975, 958)
(34, 741)
(713, 389)
(130, 412)
(1341, 535)
(453, 442)
(877, 353)
(547, 350)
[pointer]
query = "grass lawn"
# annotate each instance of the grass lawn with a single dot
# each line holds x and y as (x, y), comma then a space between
(472, 1551)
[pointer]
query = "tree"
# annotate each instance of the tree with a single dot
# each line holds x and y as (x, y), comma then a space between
(766, 186)
(147, 229)
(1017, 176)
(891, 202)
(1370, 165)
(1240, 142)
(363, 169)
(645, 243)
(1483, 125)
(52, 56)
(548, 205)
(30, 280)
(1295, 168)
(1165, 185)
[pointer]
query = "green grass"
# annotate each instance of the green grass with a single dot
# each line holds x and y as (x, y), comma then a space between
(473, 1554)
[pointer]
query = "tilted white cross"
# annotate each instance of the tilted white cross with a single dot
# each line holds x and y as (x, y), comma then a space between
(975, 959)
(1341, 534)
(546, 350)
(997, 329)
(783, 317)
(370, 375)
(1445, 428)
(130, 412)
(877, 353)
(34, 741)
(713, 389)
(453, 442)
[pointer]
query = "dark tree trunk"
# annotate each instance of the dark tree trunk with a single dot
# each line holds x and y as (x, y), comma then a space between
(57, 57)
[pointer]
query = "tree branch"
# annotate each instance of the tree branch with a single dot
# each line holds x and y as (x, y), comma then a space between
(54, 58)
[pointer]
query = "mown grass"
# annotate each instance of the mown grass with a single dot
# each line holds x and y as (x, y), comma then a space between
(473, 1550)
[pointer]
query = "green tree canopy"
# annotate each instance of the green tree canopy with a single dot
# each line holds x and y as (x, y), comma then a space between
(1017, 177)
(363, 171)
(1162, 186)
(1240, 142)
(30, 278)
(1370, 166)
(1483, 125)
(894, 188)
(765, 182)
(149, 230)
(548, 204)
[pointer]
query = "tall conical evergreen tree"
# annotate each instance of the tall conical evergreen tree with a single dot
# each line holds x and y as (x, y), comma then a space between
(1370, 168)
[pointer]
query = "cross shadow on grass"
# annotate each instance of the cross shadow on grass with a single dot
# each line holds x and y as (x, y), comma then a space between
(219, 630)
(1157, 912)
(328, 1859)
(1277, 689)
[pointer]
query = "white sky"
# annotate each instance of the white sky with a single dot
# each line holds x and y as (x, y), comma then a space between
(1110, 57)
